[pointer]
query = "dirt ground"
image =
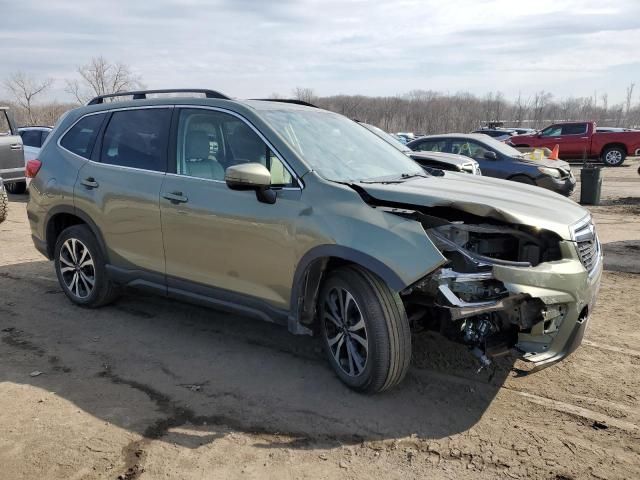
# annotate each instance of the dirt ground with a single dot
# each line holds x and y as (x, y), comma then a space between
(152, 389)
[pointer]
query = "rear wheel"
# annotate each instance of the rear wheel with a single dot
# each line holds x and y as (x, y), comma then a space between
(613, 156)
(80, 268)
(364, 329)
(523, 179)
(16, 188)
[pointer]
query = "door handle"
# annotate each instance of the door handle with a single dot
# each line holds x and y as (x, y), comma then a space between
(176, 197)
(90, 183)
(16, 146)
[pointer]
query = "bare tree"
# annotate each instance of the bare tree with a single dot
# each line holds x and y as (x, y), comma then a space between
(24, 88)
(101, 77)
(629, 98)
(304, 94)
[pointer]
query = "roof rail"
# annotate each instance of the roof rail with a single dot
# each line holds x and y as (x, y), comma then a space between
(142, 94)
(285, 100)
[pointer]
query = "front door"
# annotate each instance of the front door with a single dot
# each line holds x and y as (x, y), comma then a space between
(220, 242)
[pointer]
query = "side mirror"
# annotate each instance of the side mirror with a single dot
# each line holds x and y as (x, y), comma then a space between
(251, 176)
(490, 155)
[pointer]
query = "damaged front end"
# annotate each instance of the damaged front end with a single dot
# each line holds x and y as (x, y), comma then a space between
(504, 288)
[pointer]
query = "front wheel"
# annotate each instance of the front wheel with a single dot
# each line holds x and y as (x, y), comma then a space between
(613, 156)
(365, 330)
(80, 268)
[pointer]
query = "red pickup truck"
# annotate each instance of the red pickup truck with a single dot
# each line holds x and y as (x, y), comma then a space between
(579, 138)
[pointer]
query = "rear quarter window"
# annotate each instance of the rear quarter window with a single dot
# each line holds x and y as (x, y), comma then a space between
(81, 138)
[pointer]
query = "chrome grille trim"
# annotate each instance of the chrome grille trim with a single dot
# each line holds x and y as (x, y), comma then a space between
(585, 237)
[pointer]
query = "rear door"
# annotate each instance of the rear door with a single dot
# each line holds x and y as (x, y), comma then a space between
(120, 187)
(11, 149)
(575, 140)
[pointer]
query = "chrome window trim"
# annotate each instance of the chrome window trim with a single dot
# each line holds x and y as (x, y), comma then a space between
(262, 137)
(201, 107)
(100, 112)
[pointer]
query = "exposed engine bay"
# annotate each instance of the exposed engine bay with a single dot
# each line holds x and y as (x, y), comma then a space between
(463, 300)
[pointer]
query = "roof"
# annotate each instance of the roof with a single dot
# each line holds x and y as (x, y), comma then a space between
(470, 136)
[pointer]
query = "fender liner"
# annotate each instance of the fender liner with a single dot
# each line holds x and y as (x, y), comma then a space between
(311, 267)
(71, 210)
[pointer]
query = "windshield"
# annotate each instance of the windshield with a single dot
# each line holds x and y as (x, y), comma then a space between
(339, 149)
(501, 147)
(394, 142)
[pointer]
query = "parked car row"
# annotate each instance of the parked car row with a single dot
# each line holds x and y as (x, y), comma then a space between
(499, 160)
(303, 217)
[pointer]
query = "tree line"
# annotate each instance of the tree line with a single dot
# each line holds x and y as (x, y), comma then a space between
(420, 111)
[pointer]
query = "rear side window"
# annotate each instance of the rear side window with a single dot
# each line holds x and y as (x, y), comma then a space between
(138, 139)
(5, 128)
(574, 129)
(31, 138)
(431, 146)
(82, 136)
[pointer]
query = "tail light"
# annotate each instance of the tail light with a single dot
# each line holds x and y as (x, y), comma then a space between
(33, 167)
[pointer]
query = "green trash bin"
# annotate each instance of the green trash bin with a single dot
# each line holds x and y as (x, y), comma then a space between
(590, 185)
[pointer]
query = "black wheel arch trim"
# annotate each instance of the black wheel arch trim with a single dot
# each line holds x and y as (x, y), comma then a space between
(71, 210)
(313, 264)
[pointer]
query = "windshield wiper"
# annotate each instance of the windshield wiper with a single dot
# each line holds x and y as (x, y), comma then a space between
(403, 177)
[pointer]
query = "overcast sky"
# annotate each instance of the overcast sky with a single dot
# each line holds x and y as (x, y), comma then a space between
(252, 48)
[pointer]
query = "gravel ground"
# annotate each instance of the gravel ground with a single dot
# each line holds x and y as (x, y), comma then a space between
(148, 388)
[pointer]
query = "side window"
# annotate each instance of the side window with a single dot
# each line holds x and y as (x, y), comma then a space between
(138, 139)
(31, 138)
(574, 129)
(552, 131)
(82, 136)
(431, 146)
(209, 142)
(468, 148)
(5, 128)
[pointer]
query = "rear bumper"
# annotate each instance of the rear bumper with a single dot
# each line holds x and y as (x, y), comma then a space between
(565, 283)
(564, 186)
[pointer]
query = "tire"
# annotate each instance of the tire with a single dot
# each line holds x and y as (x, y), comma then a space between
(522, 179)
(376, 315)
(16, 188)
(4, 205)
(613, 156)
(68, 266)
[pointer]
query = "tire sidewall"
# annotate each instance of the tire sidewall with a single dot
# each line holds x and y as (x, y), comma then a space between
(376, 330)
(614, 149)
(82, 233)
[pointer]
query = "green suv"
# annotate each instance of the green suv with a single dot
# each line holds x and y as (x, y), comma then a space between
(299, 216)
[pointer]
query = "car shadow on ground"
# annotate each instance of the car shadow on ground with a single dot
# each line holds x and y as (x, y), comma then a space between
(152, 365)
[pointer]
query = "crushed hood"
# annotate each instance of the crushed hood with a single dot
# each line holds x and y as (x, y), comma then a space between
(504, 200)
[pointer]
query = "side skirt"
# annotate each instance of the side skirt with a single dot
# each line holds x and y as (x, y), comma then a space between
(196, 293)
